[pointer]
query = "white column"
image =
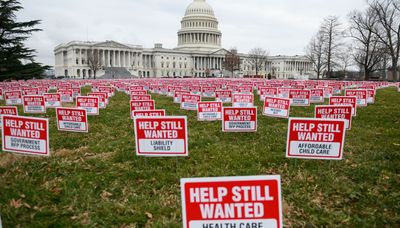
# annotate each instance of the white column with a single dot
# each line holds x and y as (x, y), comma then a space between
(80, 57)
(112, 60)
(124, 58)
(129, 59)
(115, 54)
(119, 58)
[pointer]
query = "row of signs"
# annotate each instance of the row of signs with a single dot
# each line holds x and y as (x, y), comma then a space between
(309, 138)
(35, 104)
(248, 201)
(30, 135)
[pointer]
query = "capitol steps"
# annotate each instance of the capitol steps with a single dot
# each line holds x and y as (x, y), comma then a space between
(117, 73)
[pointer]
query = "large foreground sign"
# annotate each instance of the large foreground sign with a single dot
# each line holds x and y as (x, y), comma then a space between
(310, 138)
(8, 110)
(250, 201)
(161, 136)
(25, 135)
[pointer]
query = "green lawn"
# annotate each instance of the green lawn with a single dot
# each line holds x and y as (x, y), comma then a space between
(95, 179)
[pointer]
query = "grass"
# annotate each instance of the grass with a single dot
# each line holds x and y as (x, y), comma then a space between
(95, 179)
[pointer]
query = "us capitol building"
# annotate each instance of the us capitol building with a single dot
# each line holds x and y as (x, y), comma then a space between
(199, 54)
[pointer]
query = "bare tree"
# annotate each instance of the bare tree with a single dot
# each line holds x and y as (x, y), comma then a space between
(344, 59)
(368, 50)
(257, 58)
(332, 32)
(232, 61)
(388, 29)
(94, 60)
(315, 53)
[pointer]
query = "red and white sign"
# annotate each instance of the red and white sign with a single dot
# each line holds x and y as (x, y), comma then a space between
(76, 92)
(106, 89)
(91, 104)
(224, 96)
(371, 96)
(178, 95)
(276, 107)
(283, 92)
(103, 98)
(243, 100)
(208, 91)
(72, 119)
(25, 135)
(30, 91)
(141, 106)
(268, 92)
(299, 97)
(159, 112)
(345, 101)
(135, 97)
(138, 92)
(8, 110)
(52, 100)
(189, 102)
(242, 202)
(361, 95)
(328, 91)
(239, 119)
(311, 138)
(34, 104)
(317, 96)
(13, 97)
(334, 112)
(66, 95)
(209, 111)
(161, 136)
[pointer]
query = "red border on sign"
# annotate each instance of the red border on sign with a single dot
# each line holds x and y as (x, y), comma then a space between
(81, 109)
(34, 112)
(184, 181)
(244, 131)
(154, 154)
(98, 105)
(216, 119)
(21, 151)
(339, 157)
(278, 116)
(327, 106)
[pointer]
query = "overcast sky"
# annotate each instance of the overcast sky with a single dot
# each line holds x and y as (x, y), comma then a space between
(283, 27)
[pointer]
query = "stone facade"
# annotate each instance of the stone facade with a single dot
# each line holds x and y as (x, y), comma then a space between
(199, 54)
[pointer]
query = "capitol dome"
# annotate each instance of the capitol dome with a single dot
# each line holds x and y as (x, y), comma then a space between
(199, 28)
(199, 7)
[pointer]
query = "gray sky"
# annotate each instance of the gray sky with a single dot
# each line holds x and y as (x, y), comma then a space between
(283, 27)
